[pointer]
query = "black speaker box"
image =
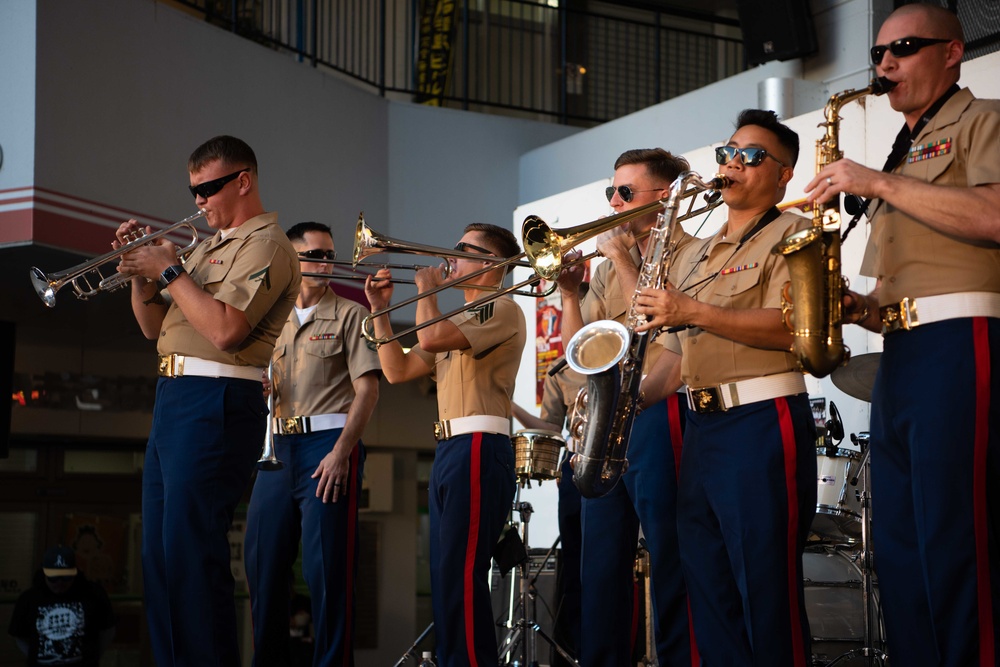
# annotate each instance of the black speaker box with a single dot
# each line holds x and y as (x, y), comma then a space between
(776, 29)
(505, 593)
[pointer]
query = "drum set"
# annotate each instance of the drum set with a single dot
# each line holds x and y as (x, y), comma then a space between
(841, 593)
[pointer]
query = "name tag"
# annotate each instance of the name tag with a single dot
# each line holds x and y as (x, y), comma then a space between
(929, 150)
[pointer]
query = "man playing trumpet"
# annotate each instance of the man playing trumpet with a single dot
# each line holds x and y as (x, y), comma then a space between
(227, 304)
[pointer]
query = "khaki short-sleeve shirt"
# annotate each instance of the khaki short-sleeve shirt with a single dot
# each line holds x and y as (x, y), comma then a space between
(480, 380)
(316, 361)
(255, 270)
(735, 276)
(559, 394)
(959, 147)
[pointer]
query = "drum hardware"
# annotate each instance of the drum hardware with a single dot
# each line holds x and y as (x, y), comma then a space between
(838, 511)
(536, 455)
(412, 651)
(523, 631)
(642, 569)
(872, 650)
(857, 378)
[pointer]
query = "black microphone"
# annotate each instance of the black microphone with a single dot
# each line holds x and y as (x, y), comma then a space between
(835, 426)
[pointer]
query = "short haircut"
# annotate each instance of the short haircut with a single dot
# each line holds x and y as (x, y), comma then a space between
(228, 150)
(661, 165)
(768, 120)
(501, 241)
(942, 22)
(297, 232)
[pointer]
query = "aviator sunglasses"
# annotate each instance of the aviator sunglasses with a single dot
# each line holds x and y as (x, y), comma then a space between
(318, 253)
(625, 192)
(750, 157)
(901, 48)
(209, 188)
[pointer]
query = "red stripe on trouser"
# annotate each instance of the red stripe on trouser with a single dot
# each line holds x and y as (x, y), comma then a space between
(676, 436)
(677, 443)
(475, 457)
(352, 538)
(792, 545)
(981, 348)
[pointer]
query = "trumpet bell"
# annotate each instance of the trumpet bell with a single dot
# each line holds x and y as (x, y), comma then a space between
(44, 287)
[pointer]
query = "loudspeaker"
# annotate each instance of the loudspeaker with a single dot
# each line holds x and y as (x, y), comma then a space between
(7, 330)
(505, 592)
(776, 29)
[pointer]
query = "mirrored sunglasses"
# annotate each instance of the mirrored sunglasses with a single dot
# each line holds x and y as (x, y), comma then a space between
(624, 191)
(901, 48)
(209, 188)
(750, 157)
(318, 253)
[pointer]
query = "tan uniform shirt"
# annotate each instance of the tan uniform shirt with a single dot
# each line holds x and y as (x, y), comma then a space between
(959, 147)
(751, 277)
(480, 379)
(316, 361)
(559, 395)
(255, 270)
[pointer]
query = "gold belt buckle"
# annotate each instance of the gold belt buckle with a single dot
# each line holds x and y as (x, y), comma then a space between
(168, 366)
(441, 430)
(707, 399)
(901, 316)
(290, 425)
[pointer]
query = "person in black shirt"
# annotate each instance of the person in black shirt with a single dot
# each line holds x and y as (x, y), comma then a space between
(63, 619)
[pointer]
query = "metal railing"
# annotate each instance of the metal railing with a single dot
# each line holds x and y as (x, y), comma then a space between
(518, 57)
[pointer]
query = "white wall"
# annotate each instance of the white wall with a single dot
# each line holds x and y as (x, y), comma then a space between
(17, 100)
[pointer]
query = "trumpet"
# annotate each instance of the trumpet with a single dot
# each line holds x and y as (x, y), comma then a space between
(268, 458)
(82, 277)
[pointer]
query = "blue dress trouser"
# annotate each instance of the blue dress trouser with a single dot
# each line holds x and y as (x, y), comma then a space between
(567, 630)
(284, 509)
(747, 498)
(471, 494)
(207, 434)
(646, 494)
(935, 441)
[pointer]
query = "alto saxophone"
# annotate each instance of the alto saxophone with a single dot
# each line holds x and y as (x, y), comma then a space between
(611, 354)
(812, 301)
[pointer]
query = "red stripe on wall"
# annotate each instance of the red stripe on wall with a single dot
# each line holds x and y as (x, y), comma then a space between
(981, 350)
(475, 502)
(791, 545)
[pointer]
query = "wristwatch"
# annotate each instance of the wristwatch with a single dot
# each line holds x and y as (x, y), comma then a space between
(170, 274)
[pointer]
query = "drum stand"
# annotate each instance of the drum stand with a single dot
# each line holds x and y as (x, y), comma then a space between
(522, 628)
(875, 656)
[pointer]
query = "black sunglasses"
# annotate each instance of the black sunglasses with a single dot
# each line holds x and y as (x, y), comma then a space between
(462, 246)
(209, 188)
(901, 48)
(624, 191)
(318, 253)
(750, 157)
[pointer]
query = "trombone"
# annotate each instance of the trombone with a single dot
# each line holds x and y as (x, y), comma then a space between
(81, 276)
(544, 250)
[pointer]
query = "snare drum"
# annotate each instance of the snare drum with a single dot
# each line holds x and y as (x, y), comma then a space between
(536, 454)
(838, 510)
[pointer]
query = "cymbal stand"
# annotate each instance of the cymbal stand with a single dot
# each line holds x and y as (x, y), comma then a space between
(524, 629)
(874, 656)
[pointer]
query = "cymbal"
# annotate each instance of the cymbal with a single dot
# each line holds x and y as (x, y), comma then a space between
(858, 377)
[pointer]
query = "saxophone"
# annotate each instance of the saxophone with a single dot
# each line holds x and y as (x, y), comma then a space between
(611, 354)
(812, 301)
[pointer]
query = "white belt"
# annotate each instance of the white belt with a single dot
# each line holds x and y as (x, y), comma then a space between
(910, 313)
(449, 428)
(302, 424)
(732, 394)
(177, 365)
